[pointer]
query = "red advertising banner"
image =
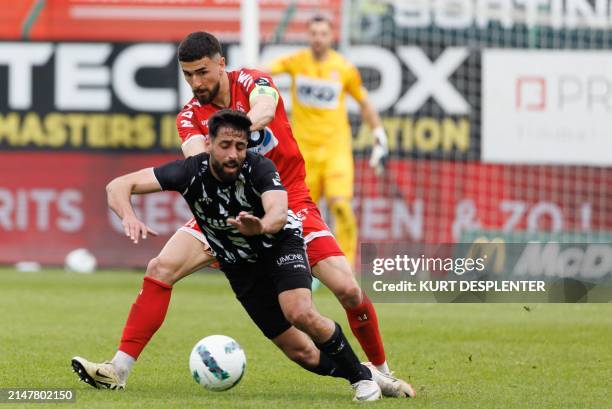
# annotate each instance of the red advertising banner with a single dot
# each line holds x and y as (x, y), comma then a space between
(53, 203)
(154, 20)
(440, 201)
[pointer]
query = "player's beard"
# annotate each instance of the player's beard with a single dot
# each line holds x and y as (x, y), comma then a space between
(205, 96)
(222, 174)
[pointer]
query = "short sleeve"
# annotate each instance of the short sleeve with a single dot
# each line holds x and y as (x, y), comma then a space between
(266, 176)
(177, 176)
(187, 125)
(252, 83)
(247, 80)
(354, 85)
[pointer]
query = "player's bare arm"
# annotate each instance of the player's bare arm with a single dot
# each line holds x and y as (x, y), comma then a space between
(119, 192)
(263, 102)
(275, 206)
(380, 149)
(194, 147)
(369, 114)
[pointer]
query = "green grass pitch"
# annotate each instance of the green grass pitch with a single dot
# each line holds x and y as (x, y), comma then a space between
(456, 356)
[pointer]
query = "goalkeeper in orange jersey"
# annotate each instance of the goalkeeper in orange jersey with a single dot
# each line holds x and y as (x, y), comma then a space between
(321, 78)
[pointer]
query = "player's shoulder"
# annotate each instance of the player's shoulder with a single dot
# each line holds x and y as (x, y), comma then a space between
(303, 55)
(190, 106)
(296, 56)
(200, 157)
(250, 77)
(255, 160)
(339, 59)
(245, 73)
(197, 161)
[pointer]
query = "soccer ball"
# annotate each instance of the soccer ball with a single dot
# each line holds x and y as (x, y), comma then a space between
(217, 362)
(80, 261)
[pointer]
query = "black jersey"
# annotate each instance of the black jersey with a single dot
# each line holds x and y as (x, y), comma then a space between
(212, 202)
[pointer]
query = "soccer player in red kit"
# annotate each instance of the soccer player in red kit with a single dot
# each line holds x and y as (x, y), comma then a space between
(252, 92)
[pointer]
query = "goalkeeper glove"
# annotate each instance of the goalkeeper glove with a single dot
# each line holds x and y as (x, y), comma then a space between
(380, 150)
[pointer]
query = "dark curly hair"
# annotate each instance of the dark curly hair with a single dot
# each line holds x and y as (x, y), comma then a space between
(228, 118)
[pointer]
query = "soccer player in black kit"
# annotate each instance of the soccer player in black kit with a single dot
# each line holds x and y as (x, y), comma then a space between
(240, 204)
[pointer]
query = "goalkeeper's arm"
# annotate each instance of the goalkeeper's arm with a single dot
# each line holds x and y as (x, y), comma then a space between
(380, 149)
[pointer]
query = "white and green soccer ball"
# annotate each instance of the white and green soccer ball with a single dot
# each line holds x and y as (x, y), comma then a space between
(217, 362)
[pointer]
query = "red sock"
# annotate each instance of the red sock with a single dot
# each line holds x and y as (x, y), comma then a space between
(364, 324)
(146, 316)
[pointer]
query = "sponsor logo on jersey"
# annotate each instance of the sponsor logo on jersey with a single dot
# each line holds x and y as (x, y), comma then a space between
(245, 79)
(318, 93)
(276, 180)
(302, 213)
(290, 259)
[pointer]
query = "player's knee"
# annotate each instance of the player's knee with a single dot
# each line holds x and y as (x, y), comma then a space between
(302, 317)
(349, 295)
(161, 270)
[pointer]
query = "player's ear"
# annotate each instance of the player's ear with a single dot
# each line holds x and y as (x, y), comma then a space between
(221, 65)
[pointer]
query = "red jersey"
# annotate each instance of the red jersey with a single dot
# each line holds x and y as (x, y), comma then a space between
(279, 144)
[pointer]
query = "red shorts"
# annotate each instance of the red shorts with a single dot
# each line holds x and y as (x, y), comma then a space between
(320, 242)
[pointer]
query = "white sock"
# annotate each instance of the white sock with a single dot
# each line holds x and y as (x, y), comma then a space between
(384, 368)
(123, 363)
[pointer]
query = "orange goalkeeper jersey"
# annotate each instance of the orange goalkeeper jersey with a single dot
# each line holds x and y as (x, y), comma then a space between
(318, 94)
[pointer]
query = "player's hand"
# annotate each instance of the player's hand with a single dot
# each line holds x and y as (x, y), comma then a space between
(378, 159)
(247, 224)
(380, 151)
(134, 229)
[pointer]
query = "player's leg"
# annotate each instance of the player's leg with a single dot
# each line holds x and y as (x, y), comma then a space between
(301, 349)
(183, 254)
(338, 187)
(298, 309)
(331, 267)
(257, 291)
(336, 356)
(333, 271)
(335, 274)
(288, 274)
(314, 161)
(298, 347)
